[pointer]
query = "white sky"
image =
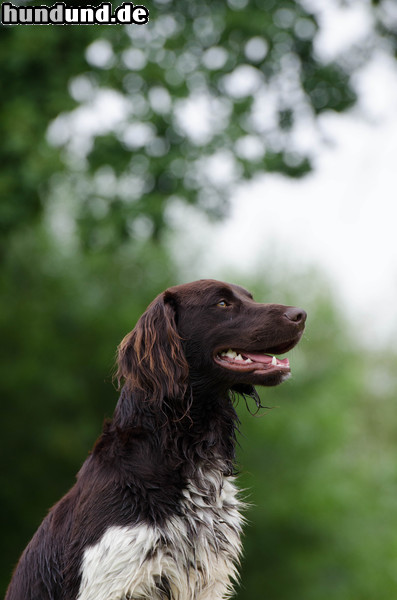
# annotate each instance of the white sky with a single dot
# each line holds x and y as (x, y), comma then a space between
(341, 218)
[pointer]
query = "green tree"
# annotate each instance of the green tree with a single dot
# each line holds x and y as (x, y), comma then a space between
(206, 94)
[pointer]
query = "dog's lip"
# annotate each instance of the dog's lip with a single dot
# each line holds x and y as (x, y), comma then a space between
(284, 347)
(254, 360)
(279, 348)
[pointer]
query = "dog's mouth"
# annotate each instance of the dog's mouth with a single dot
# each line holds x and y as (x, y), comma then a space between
(243, 361)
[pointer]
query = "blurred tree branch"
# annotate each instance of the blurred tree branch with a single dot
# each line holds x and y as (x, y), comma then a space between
(205, 95)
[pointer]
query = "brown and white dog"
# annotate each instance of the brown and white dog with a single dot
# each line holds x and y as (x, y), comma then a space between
(154, 513)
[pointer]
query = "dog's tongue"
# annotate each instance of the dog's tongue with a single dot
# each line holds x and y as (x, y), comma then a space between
(266, 359)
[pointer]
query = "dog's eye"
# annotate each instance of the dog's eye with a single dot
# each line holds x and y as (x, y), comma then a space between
(223, 304)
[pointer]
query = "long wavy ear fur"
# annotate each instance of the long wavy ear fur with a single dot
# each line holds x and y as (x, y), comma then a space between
(151, 357)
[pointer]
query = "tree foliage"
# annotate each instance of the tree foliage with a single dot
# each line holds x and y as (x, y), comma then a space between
(204, 95)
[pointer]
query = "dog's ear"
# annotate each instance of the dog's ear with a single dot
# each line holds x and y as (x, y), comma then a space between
(151, 357)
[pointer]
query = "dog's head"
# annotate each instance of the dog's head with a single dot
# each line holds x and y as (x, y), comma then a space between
(212, 334)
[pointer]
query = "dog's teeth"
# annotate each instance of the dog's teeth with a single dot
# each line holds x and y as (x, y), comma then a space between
(274, 360)
(233, 354)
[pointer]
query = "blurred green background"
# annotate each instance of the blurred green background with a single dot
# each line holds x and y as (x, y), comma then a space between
(100, 140)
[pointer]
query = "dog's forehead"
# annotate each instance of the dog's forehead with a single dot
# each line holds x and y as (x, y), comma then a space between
(208, 288)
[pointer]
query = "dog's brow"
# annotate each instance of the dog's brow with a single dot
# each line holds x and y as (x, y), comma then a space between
(244, 292)
(227, 292)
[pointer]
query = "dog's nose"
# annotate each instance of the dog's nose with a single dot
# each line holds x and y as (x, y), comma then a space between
(297, 315)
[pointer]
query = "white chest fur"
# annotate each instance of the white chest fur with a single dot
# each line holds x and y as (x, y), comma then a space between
(191, 557)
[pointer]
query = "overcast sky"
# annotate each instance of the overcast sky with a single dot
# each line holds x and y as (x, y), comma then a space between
(343, 217)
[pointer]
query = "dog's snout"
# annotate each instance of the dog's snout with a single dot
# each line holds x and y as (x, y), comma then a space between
(297, 315)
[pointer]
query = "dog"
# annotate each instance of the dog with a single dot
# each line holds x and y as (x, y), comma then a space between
(155, 512)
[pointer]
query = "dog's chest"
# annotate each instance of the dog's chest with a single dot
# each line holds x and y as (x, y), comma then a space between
(193, 556)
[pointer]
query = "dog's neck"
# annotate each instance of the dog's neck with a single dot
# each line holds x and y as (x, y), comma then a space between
(200, 429)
